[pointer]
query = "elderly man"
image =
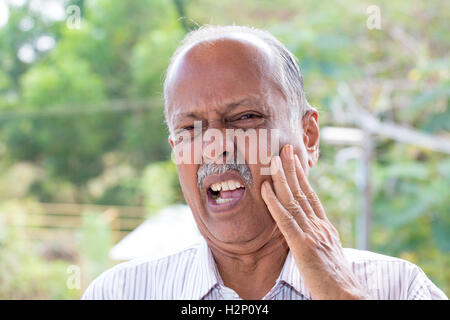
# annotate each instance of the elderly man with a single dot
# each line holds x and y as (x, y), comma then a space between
(266, 234)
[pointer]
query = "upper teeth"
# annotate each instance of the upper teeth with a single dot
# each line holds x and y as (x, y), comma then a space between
(226, 185)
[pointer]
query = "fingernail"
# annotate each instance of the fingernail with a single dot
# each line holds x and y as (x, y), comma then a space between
(289, 152)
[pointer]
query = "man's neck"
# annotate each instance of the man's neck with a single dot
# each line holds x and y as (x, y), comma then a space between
(252, 276)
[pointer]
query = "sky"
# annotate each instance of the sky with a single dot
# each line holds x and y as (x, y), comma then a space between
(4, 13)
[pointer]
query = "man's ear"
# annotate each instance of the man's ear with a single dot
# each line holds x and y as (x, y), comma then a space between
(170, 142)
(311, 135)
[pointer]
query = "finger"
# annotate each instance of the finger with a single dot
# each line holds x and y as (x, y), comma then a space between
(291, 177)
(311, 196)
(285, 221)
(283, 191)
(280, 184)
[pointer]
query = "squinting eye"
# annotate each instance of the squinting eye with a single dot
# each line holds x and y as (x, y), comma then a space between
(188, 128)
(247, 116)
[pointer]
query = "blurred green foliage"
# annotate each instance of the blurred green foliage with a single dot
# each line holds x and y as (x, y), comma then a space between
(160, 186)
(23, 273)
(87, 117)
(95, 239)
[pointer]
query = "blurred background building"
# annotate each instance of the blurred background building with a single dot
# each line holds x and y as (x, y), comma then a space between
(170, 231)
(84, 158)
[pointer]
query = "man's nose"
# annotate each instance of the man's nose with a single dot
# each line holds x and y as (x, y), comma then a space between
(216, 147)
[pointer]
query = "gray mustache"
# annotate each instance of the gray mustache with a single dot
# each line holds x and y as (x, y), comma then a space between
(208, 169)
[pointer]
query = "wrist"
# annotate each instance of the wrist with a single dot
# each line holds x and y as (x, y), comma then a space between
(355, 294)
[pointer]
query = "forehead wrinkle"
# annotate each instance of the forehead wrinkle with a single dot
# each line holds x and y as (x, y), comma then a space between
(221, 106)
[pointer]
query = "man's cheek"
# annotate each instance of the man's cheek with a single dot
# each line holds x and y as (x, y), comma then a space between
(268, 146)
(187, 150)
(188, 177)
(256, 146)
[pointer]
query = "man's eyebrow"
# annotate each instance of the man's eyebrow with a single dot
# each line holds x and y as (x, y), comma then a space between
(228, 107)
(183, 115)
(187, 115)
(244, 101)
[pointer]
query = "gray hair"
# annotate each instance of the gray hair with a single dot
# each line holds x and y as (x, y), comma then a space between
(287, 72)
(208, 169)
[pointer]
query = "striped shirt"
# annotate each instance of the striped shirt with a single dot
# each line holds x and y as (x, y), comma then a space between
(192, 274)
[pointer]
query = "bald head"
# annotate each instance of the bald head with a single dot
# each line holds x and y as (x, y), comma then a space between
(211, 65)
(251, 52)
(224, 46)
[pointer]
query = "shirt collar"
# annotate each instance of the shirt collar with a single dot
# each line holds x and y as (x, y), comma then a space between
(204, 271)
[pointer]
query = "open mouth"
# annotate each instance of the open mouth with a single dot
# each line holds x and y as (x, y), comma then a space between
(225, 195)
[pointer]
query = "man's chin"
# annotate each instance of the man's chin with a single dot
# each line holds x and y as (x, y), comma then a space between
(244, 243)
(240, 228)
